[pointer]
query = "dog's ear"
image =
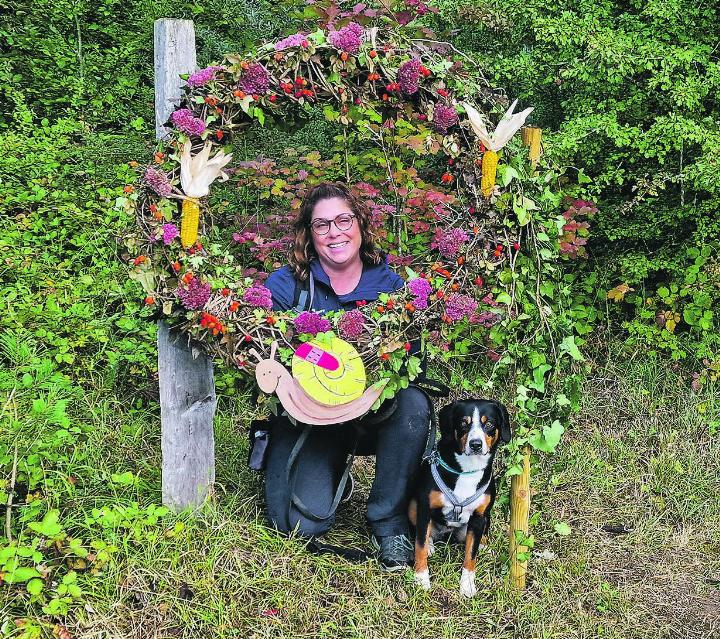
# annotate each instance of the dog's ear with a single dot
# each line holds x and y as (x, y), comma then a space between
(444, 419)
(505, 430)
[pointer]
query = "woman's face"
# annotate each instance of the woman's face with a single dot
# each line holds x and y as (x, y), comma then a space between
(336, 248)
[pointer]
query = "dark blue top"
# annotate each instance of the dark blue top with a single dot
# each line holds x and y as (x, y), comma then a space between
(375, 279)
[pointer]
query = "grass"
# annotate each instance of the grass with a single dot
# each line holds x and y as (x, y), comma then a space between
(640, 457)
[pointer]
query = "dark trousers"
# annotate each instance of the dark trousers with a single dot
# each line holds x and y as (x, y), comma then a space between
(397, 442)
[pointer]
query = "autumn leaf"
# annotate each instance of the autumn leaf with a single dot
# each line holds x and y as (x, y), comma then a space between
(618, 293)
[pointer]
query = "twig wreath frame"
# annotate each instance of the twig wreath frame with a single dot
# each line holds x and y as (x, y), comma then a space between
(453, 233)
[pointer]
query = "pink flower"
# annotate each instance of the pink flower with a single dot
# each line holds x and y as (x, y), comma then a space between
(449, 242)
(170, 232)
(349, 38)
(199, 78)
(408, 76)
(311, 323)
(295, 40)
(352, 324)
(158, 181)
(420, 288)
(186, 122)
(259, 296)
(195, 295)
(255, 79)
(444, 117)
(458, 306)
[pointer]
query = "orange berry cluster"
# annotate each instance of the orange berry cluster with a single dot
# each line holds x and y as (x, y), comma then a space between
(212, 323)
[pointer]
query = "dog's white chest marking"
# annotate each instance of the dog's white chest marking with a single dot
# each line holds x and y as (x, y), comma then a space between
(465, 487)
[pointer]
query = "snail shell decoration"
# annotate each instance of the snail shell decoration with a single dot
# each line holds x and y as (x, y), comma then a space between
(337, 378)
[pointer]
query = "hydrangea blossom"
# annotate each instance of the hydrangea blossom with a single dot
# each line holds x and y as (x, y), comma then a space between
(352, 324)
(199, 78)
(444, 117)
(259, 296)
(449, 242)
(408, 76)
(196, 295)
(170, 232)
(158, 181)
(458, 306)
(186, 122)
(312, 323)
(255, 79)
(295, 40)
(349, 38)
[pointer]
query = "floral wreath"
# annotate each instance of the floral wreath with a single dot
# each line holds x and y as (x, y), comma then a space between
(428, 167)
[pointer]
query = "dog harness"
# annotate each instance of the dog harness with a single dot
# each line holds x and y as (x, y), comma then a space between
(457, 505)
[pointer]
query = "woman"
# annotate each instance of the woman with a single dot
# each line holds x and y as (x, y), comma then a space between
(333, 265)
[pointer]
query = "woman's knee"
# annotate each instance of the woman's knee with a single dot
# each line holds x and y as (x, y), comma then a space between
(413, 401)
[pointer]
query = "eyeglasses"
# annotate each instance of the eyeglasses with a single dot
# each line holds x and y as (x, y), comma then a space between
(343, 222)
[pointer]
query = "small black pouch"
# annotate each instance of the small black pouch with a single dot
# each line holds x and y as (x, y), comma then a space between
(259, 436)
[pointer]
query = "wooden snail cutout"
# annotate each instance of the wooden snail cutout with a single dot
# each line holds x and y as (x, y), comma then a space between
(273, 377)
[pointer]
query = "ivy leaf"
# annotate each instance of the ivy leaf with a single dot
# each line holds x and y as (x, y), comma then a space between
(568, 345)
(548, 440)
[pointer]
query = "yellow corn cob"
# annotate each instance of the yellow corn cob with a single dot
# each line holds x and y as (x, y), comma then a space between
(489, 170)
(531, 137)
(189, 222)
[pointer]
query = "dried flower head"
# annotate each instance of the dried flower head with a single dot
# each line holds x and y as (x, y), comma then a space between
(255, 79)
(311, 323)
(185, 121)
(458, 306)
(195, 294)
(352, 324)
(444, 117)
(199, 78)
(259, 296)
(408, 76)
(158, 181)
(349, 38)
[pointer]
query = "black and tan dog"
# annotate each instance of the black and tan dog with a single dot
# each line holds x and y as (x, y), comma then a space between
(456, 488)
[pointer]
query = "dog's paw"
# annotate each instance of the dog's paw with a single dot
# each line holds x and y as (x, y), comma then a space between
(431, 547)
(422, 579)
(467, 583)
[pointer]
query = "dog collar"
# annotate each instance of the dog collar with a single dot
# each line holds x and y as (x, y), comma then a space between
(440, 462)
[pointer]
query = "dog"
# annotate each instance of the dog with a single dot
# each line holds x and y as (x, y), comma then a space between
(455, 490)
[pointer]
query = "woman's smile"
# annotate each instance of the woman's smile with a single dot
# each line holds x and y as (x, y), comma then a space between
(337, 248)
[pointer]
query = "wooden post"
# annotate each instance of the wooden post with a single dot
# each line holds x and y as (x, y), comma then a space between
(531, 137)
(519, 520)
(187, 386)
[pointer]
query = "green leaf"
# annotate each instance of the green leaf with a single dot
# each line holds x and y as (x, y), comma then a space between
(23, 573)
(562, 529)
(568, 345)
(35, 586)
(503, 298)
(49, 526)
(548, 440)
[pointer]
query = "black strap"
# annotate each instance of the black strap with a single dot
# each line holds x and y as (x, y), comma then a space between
(291, 476)
(431, 388)
(304, 294)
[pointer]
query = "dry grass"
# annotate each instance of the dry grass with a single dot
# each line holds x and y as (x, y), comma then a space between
(639, 456)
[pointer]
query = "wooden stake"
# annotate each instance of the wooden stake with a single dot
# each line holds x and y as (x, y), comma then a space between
(519, 520)
(531, 137)
(187, 385)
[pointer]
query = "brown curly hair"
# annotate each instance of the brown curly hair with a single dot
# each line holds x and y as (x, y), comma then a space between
(303, 249)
